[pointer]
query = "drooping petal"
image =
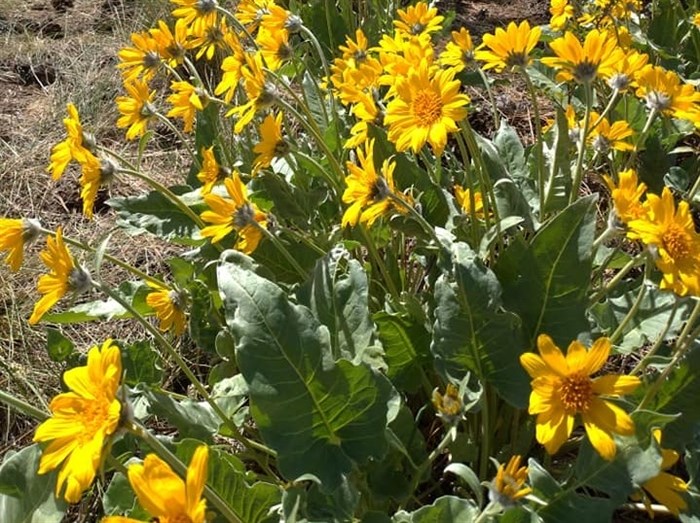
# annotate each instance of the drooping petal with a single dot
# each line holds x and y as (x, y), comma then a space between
(615, 384)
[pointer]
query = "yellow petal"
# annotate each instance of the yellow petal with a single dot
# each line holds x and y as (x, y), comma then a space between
(597, 355)
(551, 355)
(615, 384)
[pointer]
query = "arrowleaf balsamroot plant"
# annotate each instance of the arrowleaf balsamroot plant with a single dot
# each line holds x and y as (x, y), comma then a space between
(380, 283)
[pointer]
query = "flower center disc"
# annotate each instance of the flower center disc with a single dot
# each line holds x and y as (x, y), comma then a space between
(94, 418)
(576, 393)
(427, 107)
(676, 242)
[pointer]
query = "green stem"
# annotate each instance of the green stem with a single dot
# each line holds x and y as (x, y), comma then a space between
(642, 137)
(283, 250)
(474, 225)
(657, 344)
(172, 353)
(324, 172)
(238, 25)
(630, 314)
(116, 261)
(689, 324)
(22, 406)
(374, 253)
(303, 238)
(607, 233)
(539, 145)
(617, 278)
(181, 136)
(174, 198)
(416, 215)
(181, 469)
(486, 435)
(578, 172)
(694, 189)
(607, 109)
(324, 64)
(490, 510)
(492, 100)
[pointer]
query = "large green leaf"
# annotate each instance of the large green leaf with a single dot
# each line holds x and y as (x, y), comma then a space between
(156, 214)
(319, 416)
(25, 496)
(472, 333)
(226, 475)
(337, 293)
(546, 282)
(447, 509)
(558, 166)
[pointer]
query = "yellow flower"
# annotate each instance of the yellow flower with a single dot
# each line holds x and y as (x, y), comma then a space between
(449, 405)
(211, 172)
(136, 109)
(606, 136)
(663, 91)
(627, 195)
(251, 12)
(186, 100)
(459, 52)
(272, 145)
(418, 19)
(463, 197)
(274, 46)
(14, 234)
(666, 488)
(278, 18)
(369, 194)
(197, 14)
(82, 421)
(366, 111)
(509, 48)
(169, 306)
(231, 66)
(164, 495)
(562, 388)
(72, 148)
(584, 63)
(561, 13)
(171, 45)
(399, 55)
(260, 93)
(507, 487)
(356, 70)
(212, 38)
(95, 174)
(675, 242)
(143, 59)
(65, 276)
(427, 108)
(235, 214)
(696, 19)
(623, 72)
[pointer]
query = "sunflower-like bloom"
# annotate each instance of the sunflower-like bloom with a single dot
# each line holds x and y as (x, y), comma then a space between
(666, 488)
(624, 71)
(356, 70)
(274, 46)
(663, 91)
(186, 100)
(65, 276)
(696, 19)
(14, 235)
(627, 195)
(272, 144)
(197, 14)
(260, 93)
(171, 45)
(562, 388)
(235, 214)
(449, 406)
(142, 59)
(370, 195)
(251, 12)
(561, 12)
(136, 109)
(510, 48)
(507, 487)
(400, 55)
(459, 52)
(427, 108)
(464, 199)
(606, 136)
(164, 495)
(72, 148)
(671, 233)
(418, 19)
(232, 67)
(82, 421)
(211, 173)
(584, 63)
(212, 38)
(169, 306)
(95, 173)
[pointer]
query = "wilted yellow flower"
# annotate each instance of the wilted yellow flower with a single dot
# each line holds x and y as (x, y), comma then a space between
(72, 148)
(463, 197)
(666, 488)
(186, 100)
(211, 172)
(136, 109)
(370, 195)
(627, 195)
(427, 107)
(169, 306)
(606, 136)
(459, 52)
(235, 214)
(562, 388)
(418, 19)
(561, 12)
(14, 235)
(142, 59)
(509, 48)
(449, 405)
(65, 276)
(671, 233)
(507, 487)
(272, 144)
(197, 14)
(82, 421)
(163, 493)
(584, 63)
